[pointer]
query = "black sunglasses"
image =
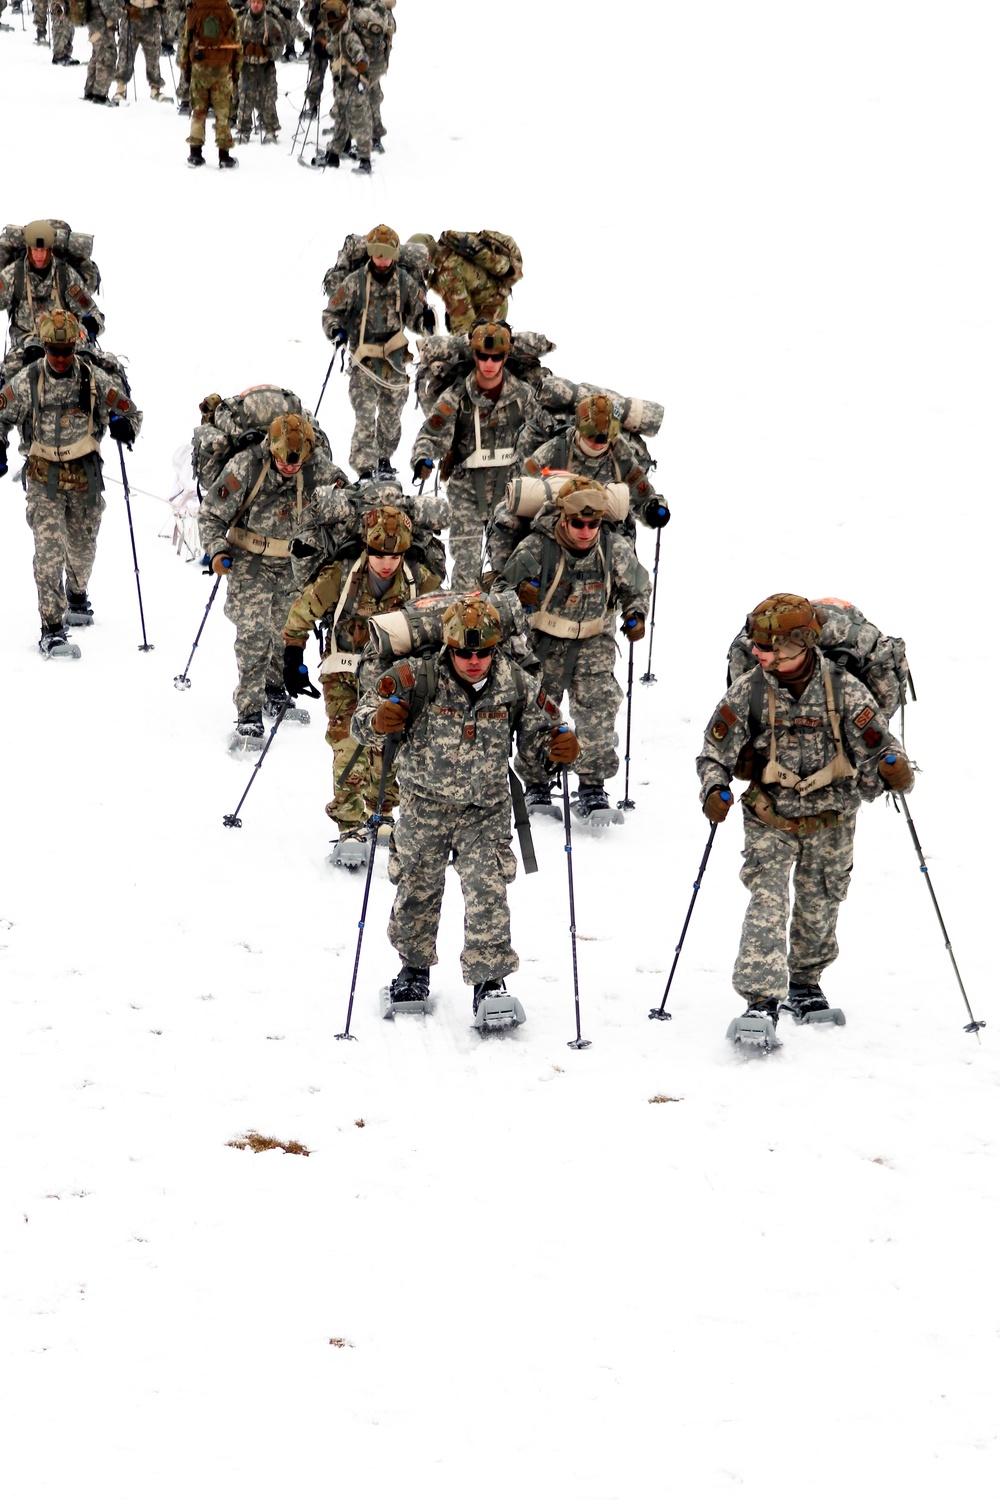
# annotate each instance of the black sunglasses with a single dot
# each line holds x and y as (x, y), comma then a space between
(485, 355)
(466, 652)
(584, 523)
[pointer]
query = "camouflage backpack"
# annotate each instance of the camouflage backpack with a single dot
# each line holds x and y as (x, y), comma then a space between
(336, 533)
(447, 357)
(354, 254)
(74, 248)
(854, 644)
(496, 254)
(229, 425)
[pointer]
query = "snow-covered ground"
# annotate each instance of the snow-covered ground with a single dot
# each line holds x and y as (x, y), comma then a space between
(502, 1269)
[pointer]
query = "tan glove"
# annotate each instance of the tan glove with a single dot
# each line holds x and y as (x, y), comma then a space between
(527, 592)
(564, 747)
(390, 717)
(633, 628)
(717, 804)
(221, 563)
(897, 773)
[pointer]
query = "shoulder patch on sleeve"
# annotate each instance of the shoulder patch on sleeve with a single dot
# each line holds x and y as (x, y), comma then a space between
(230, 484)
(531, 467)
(435, 421)
(546, 705)
(872, 738)
(864, 717)
(723, 723)
(111, 397)
(406, 677)
(123, 405)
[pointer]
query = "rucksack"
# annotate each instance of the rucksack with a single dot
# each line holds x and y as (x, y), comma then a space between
(71, 246)
(237, 422)
(413, 258)
(853, 643)
(446, 358)
(498, 255)
(337, 535)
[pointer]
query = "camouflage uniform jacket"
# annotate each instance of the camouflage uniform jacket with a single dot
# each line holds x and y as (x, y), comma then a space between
(25, 294)
(280, 507)
(264, 37)
(804, 741)
(450, 428)
(384, 307)
(457, 746)
(592, 584)
(63, 405)
(616, 465)
(322, 596)
(343, 47)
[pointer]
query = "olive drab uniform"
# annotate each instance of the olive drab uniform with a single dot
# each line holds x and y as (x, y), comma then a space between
(573, 628)
(211, 58)
(344, 594)
(62, 419)
(102, 25)
(815, 760)
(374, 309)
(455, 804)
(263, 43)
(252, 514)
(140, 27)
(26, 294)
(475, 436)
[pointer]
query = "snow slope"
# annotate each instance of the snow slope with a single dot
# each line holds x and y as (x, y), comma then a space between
(502, 1269)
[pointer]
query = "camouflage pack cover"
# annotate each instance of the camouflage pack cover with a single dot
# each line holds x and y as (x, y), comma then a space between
(447, 357)
(418, 628)
(354, 254)
(236, 422)
(335, 527)
(489, 249)
(638, 415)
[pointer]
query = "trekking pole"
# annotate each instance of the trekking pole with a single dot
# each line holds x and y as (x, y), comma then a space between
(973, 1025)
(663, 1014)
(626, 804)
(173, 80)
(647, 676)
(135, 561)
(329, 372)
(375, 818)
(578, 1042)
(233, 820)
(182, 681)
(130, 55)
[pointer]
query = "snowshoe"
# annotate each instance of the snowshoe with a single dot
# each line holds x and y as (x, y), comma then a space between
(592, 806)
(270, 138)
(54, 643)
(408, 994)
(807, 1005)
(159, 97)
(493, 1009)
(225, 160)
(79, 610)
(352, 850)
(538, 800)
(364, 167)
(5, 27)
(248, 738)
(378, 146)
(275, 702)
(195, 157)
(321, 162)
(755, 1027)
(66, 62)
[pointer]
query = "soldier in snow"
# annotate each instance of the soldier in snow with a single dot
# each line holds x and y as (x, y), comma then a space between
(263, 39)
(211, 58)
(457, 715)
(140, 27)
(63, 406)
(38, 282)
(814, 744)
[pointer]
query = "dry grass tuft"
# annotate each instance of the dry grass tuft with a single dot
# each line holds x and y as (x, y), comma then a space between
(342, 1343)
(360, 1124)
(665, 1099)
(257, 1142)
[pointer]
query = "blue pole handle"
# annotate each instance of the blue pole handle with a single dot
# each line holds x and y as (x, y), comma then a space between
(890, 760)
(726, 796)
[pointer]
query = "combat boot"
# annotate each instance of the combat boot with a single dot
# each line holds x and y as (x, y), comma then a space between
(804, 999)
(79, 610)
(410, 986)
(243, 138)
(270, 138)
(538, 799)
(225, 160)
(41, 40)
(195, 158)
(364, 167)
(184, 107)
(378, 146)
(121, 90)
(53, 642)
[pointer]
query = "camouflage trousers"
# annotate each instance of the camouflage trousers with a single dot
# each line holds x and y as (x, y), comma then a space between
(258, 92)
(377, 413)
(358, 796)
(467, 523)
(427, 833)
(820, 867)
(259, 593)
(376, 100)
(65, 529)
(173, 20)
(352, 119)
(211, 86)
(62, 26)
(145, 33)
(594, 698)
(101, 68)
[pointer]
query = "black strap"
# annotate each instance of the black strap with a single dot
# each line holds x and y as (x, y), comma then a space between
(522, 824)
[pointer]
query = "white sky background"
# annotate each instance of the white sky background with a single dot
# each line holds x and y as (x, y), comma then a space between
(780, 221)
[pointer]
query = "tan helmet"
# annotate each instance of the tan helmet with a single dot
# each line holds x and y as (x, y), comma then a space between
(599, 418)
(58, 329)
(387, 529)
(471, 621)
(291, 438)
(383, 242)
(784, 617)
(429, 243)
(40, 234)
(207, 407)
(489, 337)
(580, 496)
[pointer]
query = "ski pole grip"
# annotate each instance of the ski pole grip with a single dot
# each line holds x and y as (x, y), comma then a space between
(304, 670)
(726, 796)
(890, 760)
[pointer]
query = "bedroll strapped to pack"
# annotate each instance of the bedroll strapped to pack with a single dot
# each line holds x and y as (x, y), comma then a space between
(237, 422)
(69, 244)
(525, 497)
(637, 415)
(417, 627)
(852, 642)
(447, 357)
